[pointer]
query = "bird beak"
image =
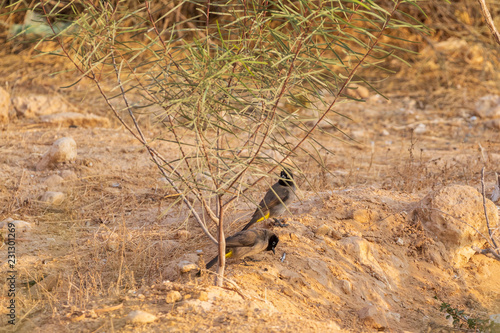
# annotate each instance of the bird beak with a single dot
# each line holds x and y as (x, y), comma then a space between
(274, 251)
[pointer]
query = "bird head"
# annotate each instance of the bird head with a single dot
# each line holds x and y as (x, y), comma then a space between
(273, 241)
(286, 177)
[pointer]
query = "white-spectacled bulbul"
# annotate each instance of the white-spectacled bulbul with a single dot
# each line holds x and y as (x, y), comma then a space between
(275, 201)
(247, 243)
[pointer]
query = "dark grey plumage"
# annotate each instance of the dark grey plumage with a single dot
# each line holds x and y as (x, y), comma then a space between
(276, 199)
(247, 243)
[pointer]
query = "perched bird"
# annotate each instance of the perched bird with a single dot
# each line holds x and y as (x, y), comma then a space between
(248, 242)
(275, 201)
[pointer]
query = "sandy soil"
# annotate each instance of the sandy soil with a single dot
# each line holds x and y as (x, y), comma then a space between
(110, 248)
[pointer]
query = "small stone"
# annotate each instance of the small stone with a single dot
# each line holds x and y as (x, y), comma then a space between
(385, 132)
(49, 283)
(168, 245)
(492, 124)
(495, 318)
(53, 181)
(346, 287)
(112, 245)
(75, 119)
(140, 317)
(52, 198)
(400, 241)
(183, 234)
(420, 129)
(358, 134)
(68, 175)
(371, 316)
(173, 296)
(20, 226)
(62, 150)
(336, 234)
(4, 106)
(187, 266)
(394, 315)
(31, 106)
(362, 215)
(488, 106)
(323, 230)
(203, 296)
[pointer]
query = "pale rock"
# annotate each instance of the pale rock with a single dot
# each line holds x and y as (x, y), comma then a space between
(373, 317)
(323, 230)
(53, 181)
(291, 276)
(75, 119)
(385, 132)
(336, 234)
(34, 105)
(358, 134)
(438, 210)
(420, 129)
(48, 283)
(346, 287)
(62, 150)
(451, 45)
(394, 315)
(187, 266)
(488, 107)
(203, 296)
(140, 317)
(173, 296)
(363, 252)
(168, 245)
(362, 215)
(492, 124)
(112, 245)
(4, 106)
(19, 225)
(69, 175)
(52, 198)
(183, 234)
(495, 318)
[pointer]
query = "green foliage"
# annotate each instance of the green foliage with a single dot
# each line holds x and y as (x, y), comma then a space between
(463, 320)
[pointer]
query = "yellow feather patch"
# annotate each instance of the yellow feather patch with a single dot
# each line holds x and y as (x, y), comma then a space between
(229, 254)
(263, 218)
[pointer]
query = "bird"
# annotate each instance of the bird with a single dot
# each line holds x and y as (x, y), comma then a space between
(275, 201)
(247, 243)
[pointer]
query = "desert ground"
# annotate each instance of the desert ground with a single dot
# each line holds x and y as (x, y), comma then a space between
(376, 243)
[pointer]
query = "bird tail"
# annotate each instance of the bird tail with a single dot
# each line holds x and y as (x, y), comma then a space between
(255, 220)
(212, 262)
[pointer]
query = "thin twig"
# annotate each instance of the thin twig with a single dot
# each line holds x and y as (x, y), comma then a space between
(485, 210)
(222, 242)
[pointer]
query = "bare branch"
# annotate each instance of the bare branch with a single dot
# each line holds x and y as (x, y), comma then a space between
(489, 20)
(486, 212)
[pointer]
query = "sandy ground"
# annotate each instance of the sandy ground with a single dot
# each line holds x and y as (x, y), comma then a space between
(109, 248)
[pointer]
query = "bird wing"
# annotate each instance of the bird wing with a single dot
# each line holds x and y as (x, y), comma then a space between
(276, 195)
(270, 200)
(242, 238)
